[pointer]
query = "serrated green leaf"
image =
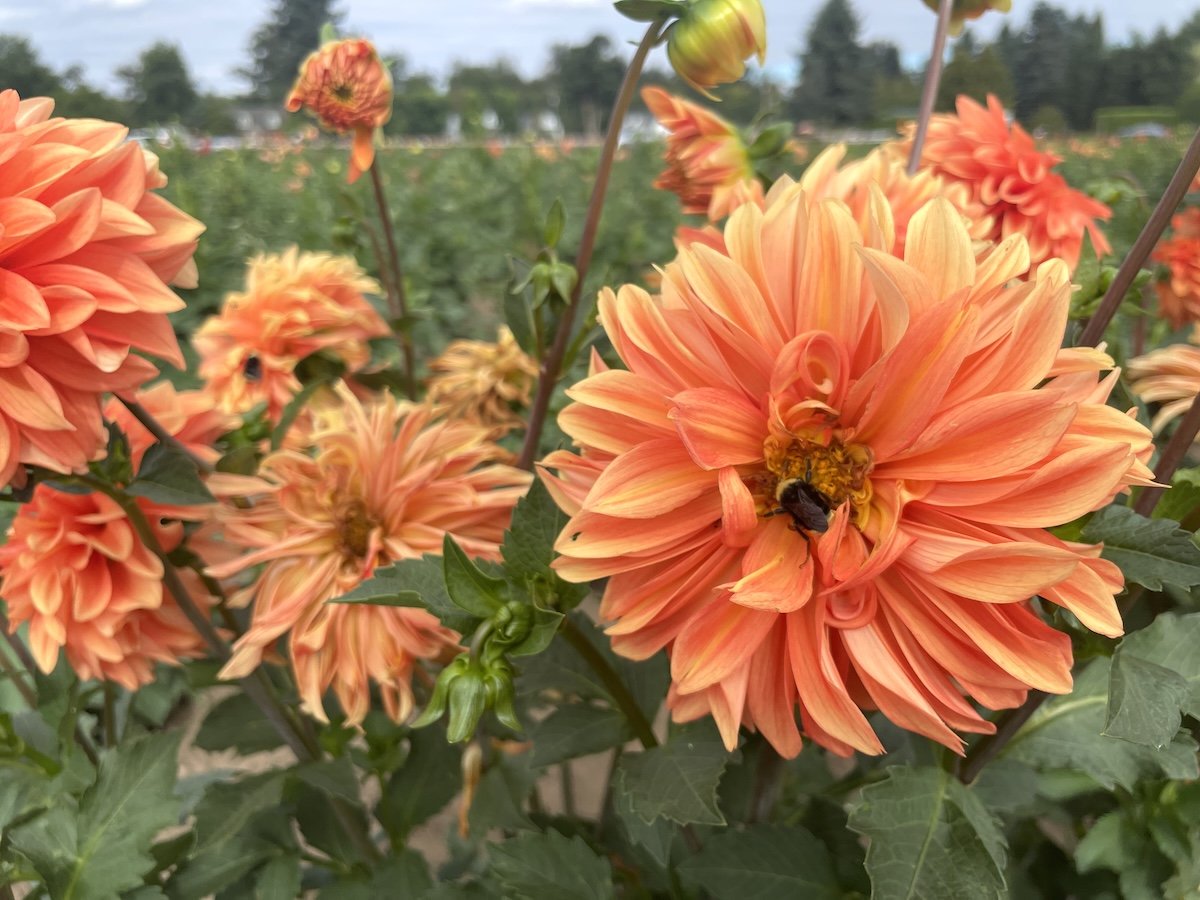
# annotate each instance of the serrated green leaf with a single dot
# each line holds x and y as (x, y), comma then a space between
(169, 476)
(467, 585)
(1143, 701)
(1172, 641)
(105, 848)
(930, 837)
(336, 778)
(404, 874)
(500, 798)
(653, 838)
(237, 723)
(1103, 847)
(395, 585)
(228, 806)
(677, 780)
(550, 867)
(762, 862)
(1150, 552)
(577, 730)
(1066, 733)
(429, 779)
(1005, 786)
(528, 547)
(1183, 497)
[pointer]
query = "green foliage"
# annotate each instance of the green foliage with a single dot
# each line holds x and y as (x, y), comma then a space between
(169, 476)
(762, 862)
(1150, 552)
(930, 837)
(158, 87)
(677, 780)
(291, 32)
(577, 730)
(237, 723)
(1155, 676)
(832, 88)
(550, 866)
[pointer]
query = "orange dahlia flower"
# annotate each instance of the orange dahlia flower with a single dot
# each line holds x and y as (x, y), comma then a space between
(1169, 376)
(824, 479)
(1012, 178)
(348, 88)
(1179, 294)
(384, 482)
(191, 417)
(708, 165)
(482, 382)
(76, 571)
(709, 44)
(86, 252)
(965, 10)
(295, 304)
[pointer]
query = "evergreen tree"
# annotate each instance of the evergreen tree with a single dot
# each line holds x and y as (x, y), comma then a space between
(279, 46)
(975, 74)
(158, 88)
(834, 87)
(23, 71)
(585, 78)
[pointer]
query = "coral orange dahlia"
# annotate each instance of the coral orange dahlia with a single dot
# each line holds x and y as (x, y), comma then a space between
(824, 478)
(482, 382)
(86, 253)
(1169, 376)
(384, 482)
(1013, 179)
(1179, 294)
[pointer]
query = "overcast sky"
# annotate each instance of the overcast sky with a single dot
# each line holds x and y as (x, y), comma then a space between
(214, 35)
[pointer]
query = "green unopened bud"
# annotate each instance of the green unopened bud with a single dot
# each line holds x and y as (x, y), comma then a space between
(441, 692)
(468, 702)
(500, 694)
(711, 42)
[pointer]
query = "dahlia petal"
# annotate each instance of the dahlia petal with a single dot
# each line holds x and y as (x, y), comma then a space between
(739, 515)
(648, 481)
(22, 307)
(592, 535)
(718, 427)
(1003, 573)
(777, 573)
(31, 399)
(717, 641)
(938, 247)
(771, 694)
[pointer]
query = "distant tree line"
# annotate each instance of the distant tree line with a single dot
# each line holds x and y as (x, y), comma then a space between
(1055, 70)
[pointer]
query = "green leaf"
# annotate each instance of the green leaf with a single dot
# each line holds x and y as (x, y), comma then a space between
(429, 779)
(500, 798)
(1182, 498)
(468, 586)
(528, 547)
(1066, 733)
(653, 838)
(169, 476)
(239, 461)
(228, 806)
(761, 863)
(1173, 642)
(336, 778)
(649, 10)
(930, 837)
(550, 867)
(404, 874)
(1143, 701)
(279, 879)
(394, 585)
(105, 848)
(237, 723)
(293, 409)
(543, 628)
(555, 219)
(577, 730)
(1006, 786)
(678, 779)
(1150, 552)
(771, 141)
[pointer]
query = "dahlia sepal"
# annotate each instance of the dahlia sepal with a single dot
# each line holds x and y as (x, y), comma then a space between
(770, 141)
(649, 10)
(468, 586)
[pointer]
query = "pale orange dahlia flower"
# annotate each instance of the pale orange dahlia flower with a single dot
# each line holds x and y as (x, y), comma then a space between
(191, 417)
(1179, 294)
(1014, 181)
(86, 252)
(482, 382)
(824, 479)
(708, 165)
(384, 482)
(1169, 376)
(77, 572)
(295, 304)
(348, 88)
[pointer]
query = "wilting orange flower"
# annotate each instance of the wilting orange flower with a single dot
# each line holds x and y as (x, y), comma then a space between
(1169, 376)
(964, 10)
(76, 571)
(482, 382)
(191, 417)
(711, 41)
(1179, 294)
(825, 477)
(1013, 179)
(708, 165)
(86, 250)
(295, 304)
(384, 482)
(348, 88)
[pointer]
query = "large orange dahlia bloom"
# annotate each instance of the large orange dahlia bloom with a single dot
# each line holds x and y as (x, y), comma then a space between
(348, 88)
(1179, 294)
(708, 165)
(384, 482)
(86, 252)
(75, 569)
(1013, 179)
(824, 479)
(295, 304)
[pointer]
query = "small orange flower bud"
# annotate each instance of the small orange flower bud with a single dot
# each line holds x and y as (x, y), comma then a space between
(969, 9)
(348, 88)
(710, 43)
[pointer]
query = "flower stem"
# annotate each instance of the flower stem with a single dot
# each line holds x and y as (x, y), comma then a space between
(933, 77)
(110, 714)
(160, 433)
(613, 683)
(988, 747)
(1093, 332)
(552, 363)
(394, 284)
(15, 674)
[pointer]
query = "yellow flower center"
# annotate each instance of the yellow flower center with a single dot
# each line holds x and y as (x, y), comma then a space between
(354, 528)
(809, 479)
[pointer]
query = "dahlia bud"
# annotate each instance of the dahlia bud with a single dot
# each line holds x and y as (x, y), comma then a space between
(710, 43)
(969, 9)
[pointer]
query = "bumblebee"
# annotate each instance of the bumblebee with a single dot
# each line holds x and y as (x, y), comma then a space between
(807, 506)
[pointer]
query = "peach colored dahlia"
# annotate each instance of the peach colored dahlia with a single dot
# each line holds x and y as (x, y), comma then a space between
(348, 88)
(295, 304)
(86, 253)
(76, 571)
(384, 482)
(1179, 294)
(483, 382)
(1169, 376)
(708, 165)
(1013, 179)
(824, 478)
